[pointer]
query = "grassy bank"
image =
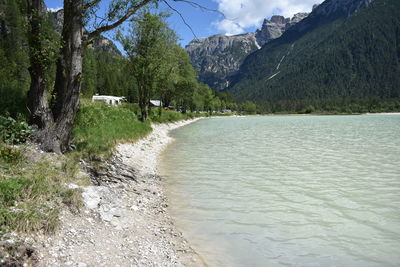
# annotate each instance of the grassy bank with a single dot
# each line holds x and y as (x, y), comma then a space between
(32, 188)
(98, 128)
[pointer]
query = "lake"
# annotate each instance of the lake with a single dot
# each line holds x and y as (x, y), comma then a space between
(288, 190)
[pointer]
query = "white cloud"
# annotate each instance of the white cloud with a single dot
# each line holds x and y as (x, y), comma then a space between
(54, 9)
(242, 14)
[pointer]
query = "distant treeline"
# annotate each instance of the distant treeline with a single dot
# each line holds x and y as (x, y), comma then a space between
(331, 106)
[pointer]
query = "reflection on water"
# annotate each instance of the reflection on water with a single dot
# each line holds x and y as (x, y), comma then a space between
(288, 190)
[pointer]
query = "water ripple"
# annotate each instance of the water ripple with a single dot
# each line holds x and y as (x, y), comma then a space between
(284, 190)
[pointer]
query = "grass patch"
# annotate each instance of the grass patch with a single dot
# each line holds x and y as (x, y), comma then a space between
(31, 193)
(99, 127)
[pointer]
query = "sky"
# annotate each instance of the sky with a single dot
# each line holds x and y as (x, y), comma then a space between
(240, 16)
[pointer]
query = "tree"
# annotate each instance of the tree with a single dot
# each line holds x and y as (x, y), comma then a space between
(14, 60)
(146, 46)
(208, 98)
(41, 54)
(249, 107)
(55, 122)
(187, 80)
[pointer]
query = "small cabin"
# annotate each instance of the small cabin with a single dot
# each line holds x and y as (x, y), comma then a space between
(109, 100)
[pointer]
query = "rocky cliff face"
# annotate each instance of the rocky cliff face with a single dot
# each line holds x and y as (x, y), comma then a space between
(274, 28)
(101, 44)
(219, 56)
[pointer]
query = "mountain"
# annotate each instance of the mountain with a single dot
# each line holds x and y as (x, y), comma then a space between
(274, 28)
(219, 56)
(343, 49)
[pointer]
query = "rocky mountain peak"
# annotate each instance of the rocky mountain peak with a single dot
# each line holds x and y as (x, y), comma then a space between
(278, 19)
(276, 26)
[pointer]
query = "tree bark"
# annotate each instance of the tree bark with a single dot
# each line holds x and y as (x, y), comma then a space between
(65, 102)
(37, 95)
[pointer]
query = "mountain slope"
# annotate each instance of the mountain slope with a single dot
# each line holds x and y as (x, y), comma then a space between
(219, 56)
(343, 49)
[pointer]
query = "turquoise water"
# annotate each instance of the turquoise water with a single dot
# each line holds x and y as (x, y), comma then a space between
(288, 190)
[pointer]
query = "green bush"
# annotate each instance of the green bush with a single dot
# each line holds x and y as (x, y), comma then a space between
(309, 109)
(10, 155)
(14, 131)
(132, 107)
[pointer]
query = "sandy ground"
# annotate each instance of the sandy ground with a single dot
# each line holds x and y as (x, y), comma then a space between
(124, 223)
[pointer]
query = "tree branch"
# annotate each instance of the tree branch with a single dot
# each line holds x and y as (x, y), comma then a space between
(196, 5)
(91, 4)
(182, 18)
(111, 26)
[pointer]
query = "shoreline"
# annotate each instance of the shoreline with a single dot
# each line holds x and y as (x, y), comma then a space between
(126, 222)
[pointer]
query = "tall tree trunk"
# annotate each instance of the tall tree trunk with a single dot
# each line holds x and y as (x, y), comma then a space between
(65, 102)
(37, 95)
(143, 102)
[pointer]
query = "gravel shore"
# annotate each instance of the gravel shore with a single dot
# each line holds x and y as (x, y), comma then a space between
(124, 221)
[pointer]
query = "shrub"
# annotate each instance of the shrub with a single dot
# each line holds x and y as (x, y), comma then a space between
(14, 131)
(309, 109)
(10, 155)
(133, 108)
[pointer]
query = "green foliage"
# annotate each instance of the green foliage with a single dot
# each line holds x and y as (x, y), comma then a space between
(14, 131)
(133, 107)
(14, 61)
(309, 109)
(14, 55)
(248, 107)
(146, 46)
(341, 57)
(99, 127)
(10, 155)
